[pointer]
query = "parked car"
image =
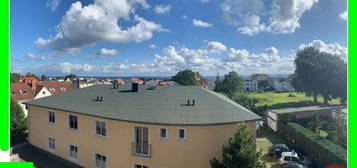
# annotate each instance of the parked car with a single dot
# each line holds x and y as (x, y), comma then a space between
(293, 165)
(287, 157)
(305, 160)
(277, 149)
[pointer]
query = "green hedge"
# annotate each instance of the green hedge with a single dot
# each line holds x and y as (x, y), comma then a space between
(336, 152)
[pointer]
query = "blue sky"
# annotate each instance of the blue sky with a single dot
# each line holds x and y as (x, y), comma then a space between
(161, 37)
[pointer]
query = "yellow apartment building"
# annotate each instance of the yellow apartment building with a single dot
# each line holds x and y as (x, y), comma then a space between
(136, 126)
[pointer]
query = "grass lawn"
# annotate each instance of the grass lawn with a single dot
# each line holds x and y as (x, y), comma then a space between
(283, 100)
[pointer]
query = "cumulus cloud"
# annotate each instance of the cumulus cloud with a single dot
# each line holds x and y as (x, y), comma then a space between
(38, 57)
(283, 15)
(162, 9)
(200, 23)
(205, 1)
(333, 48)
(208, 59)
(83, 26)
(103, 53)
(344, 15)
(53, 4)
(152, 46)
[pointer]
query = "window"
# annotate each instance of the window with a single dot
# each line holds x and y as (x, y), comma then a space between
(294, 159)
(140, 166)
(141, 144)
(51, 144)
(101, 128)
(73, 152)
(100, 161)
(163, 134)
(23, 91)
(73, 122)
(182, 134)
(12, 92)
(44, 92)
(287, 158)
(51, 117)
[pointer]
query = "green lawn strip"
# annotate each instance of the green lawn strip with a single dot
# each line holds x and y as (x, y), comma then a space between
(285, 100)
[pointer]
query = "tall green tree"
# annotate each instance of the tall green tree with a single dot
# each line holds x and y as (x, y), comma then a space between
(44, 77)
(217, 84)
(186, 77)
(15, 77)
(240, 152)
(71, 77)
(263, 84)
(231, 84)
(316, 124)
(319, 73)
(17, 123)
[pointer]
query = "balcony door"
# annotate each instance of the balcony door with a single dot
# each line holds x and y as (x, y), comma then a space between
(142, 140)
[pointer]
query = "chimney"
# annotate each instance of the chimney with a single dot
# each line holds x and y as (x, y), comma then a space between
(78, 84)
(135, 87)
(188, 102)
(193, 102)
(101, 98)
(33, 84)
(97, 98)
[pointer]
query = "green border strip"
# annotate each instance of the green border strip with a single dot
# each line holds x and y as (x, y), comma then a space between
(4, 86)
(4, 75)
(352, 89)
(16, 165)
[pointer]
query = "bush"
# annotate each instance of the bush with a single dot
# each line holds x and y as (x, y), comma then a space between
(17, 123)
(291, 95)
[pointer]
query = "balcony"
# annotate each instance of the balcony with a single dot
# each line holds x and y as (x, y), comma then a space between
(141, 149)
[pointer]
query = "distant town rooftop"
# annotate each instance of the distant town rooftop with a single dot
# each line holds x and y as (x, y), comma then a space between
(158, 105)
(306, 108)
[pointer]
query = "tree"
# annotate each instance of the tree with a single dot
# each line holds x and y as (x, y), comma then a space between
(316, 124)
(263, 84)
(246, 101)
(17, 123)
(240, 152)
(15, 77)
(186, 77)
(44, 77)
(71, 77)
(231, 84)
(319, 73)
(217, 84)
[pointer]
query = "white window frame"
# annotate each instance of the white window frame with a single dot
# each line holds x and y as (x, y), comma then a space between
(167, 135)
(54, 117)
(95, 160)
(49, 146)
(95, 129)
(69, 123)
(178, 134)
(69, 153)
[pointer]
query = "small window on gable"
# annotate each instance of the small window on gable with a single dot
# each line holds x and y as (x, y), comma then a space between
(182, 134)
(22, 91)
(12, 92)
(101, 128)
(51, 117)
(163, 134)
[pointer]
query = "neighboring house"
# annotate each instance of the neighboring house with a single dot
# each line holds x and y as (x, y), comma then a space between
(276, 115)
(82, 84)
(259, 77)
(119, 81)
(250, 85)
(133, 126)
(34, 89)
(282, 84)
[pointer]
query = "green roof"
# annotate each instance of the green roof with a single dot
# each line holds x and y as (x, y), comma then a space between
(164, 105)
(326, 108)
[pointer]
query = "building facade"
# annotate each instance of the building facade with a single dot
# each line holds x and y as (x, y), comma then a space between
(136, 137)
(250, 85)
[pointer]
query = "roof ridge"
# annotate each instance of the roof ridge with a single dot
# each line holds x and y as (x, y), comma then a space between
(228, 100)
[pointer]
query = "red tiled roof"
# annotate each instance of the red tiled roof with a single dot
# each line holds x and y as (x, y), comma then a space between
(23, 91)
(56, 87)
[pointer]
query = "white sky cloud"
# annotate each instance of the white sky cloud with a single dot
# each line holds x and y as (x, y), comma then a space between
(283, 15)
(152, 46)
(200, 23)
(344, 15)
(84, 26)
(104, 53)
(162, 9)
(211, 58)
(53, 4)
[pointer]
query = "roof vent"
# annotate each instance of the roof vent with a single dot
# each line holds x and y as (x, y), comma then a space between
(190, 104)
(135, 87)
(100, 98)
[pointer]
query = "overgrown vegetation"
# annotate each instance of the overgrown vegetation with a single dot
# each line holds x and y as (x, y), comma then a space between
(319, 73)
(17, 123)
(230, 85)
(187, 77)
(240, 152)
